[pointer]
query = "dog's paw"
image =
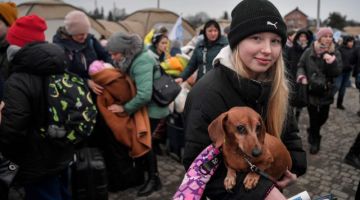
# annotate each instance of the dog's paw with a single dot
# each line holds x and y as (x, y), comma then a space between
(251, 180)
(229, 182)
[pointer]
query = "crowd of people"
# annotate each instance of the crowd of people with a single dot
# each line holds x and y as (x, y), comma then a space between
(258, 64)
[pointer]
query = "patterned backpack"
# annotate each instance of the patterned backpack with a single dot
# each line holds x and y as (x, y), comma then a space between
(71, 111)
(198, 175)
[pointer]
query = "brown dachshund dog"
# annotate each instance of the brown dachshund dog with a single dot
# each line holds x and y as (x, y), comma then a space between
(241, 133)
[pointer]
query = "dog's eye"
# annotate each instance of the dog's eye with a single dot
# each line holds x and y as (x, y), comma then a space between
(241, 129)
(258, 128)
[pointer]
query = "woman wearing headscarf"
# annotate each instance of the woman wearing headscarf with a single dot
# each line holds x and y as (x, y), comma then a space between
(130, 57)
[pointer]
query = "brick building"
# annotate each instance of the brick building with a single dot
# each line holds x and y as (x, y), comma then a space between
(296, 19)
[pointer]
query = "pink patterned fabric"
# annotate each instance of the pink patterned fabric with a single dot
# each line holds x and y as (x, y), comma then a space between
(194, 182)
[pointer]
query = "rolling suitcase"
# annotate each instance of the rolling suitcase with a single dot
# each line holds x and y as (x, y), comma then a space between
(89, 179)
(175, 135)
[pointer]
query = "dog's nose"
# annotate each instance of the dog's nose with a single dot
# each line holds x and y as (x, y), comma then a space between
(256, 152)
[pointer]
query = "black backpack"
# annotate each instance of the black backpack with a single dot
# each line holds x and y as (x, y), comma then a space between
(71, 111)
(318, 85)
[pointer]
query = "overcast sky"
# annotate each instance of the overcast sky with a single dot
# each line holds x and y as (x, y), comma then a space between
(216, 8)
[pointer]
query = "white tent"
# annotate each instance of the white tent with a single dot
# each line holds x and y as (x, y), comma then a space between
(54, 12)
(154, 18)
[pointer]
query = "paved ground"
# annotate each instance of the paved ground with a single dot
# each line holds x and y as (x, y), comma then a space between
(326, 171)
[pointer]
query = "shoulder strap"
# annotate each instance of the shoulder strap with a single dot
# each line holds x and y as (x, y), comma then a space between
(93, 46)
(41, 119)
(204, 59)
(157, 65)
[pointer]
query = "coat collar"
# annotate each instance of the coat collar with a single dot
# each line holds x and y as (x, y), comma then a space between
(253, 92)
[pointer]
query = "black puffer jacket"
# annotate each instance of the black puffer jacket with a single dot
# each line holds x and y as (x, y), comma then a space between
(217, 92)
(347, 56)
(4, 64)
(24, 97)
(294, 53)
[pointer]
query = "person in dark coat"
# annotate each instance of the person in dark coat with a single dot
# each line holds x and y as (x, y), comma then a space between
(81, 49)
(302, 41)
(353, 156)
(319, 62)
(42, 162)
(8, 15)
(80, 46)
(204, 52)
(343, 80)
(249, 72)
(356, 70)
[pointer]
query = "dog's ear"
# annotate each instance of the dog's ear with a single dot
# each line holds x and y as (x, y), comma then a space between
(216, 130)
(262, 130)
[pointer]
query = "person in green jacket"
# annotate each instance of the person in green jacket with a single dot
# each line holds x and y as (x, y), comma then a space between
(204, 52)
(129, 56)
(157, 50)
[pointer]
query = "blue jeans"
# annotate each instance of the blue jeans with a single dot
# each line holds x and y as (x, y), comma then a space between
(342, 81)
(54, 187)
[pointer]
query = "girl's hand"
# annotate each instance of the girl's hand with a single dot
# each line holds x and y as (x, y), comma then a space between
(115, 108)
(329, 58)
(96, 88)
(302, 79)
(288, 179)
(179, 80)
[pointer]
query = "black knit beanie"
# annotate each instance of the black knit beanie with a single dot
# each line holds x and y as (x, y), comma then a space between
(255, 16)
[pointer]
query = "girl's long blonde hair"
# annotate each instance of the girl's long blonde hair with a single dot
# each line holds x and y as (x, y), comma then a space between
(278, 102)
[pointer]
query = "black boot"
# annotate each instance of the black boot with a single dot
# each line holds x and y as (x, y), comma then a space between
(340, 106)
(315, 145)
(353, 160)
(314, 148)
(153, 183)
(353, 156)
(310, 138)
(297, 114)
(339, 103)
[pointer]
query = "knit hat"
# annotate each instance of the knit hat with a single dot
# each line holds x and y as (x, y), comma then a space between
(129, 45)
(323, 31)
(122, 42)
(8, 12)
(77, 22)
(26, 29)
(255, 16)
